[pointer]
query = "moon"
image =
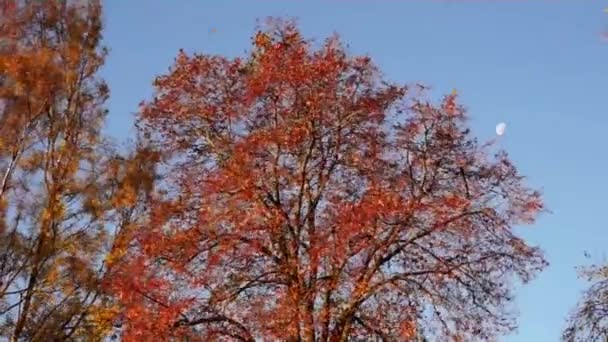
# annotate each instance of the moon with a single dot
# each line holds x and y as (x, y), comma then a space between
(500, 128)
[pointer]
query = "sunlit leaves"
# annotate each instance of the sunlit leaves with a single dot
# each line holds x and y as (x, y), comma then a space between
(304, 198)
(53, 166)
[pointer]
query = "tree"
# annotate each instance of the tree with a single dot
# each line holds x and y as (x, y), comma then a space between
(589, 320)
(302, 197)
(53, 164)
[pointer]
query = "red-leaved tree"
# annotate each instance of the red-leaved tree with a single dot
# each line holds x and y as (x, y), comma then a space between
(303, 198)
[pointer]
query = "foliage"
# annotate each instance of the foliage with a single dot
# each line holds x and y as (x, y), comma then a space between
(302, 197)
(289, 195)
(589, 321)
(54, 184)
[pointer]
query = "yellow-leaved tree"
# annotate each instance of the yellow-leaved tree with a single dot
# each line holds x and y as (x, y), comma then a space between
(58, 175)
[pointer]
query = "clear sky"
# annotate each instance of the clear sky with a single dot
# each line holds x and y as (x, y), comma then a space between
(537, 65)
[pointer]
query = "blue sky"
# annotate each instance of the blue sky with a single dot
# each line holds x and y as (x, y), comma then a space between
(537, 65)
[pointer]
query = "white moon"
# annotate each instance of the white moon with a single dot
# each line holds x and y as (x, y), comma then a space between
(500, 128)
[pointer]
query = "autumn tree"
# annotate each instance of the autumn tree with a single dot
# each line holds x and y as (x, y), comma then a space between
(303, 198)
(589, 320)
(54, 185)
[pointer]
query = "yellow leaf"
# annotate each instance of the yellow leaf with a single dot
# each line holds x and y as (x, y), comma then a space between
(102, 318)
